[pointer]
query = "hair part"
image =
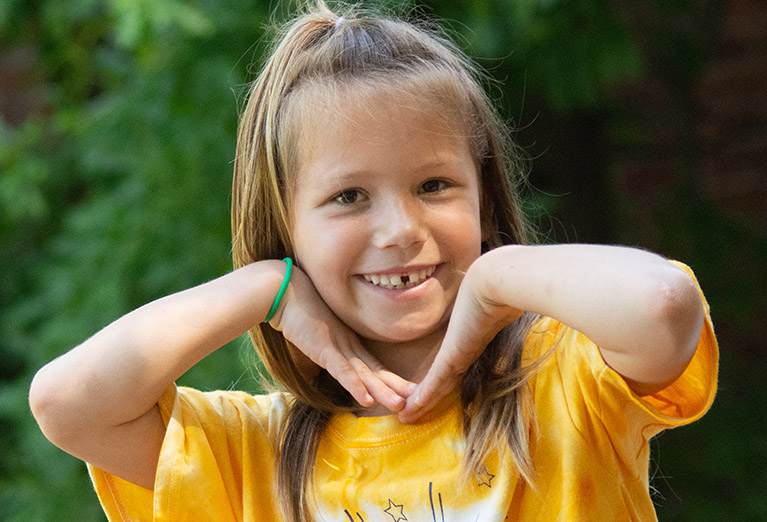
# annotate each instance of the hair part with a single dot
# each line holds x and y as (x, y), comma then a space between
(324, 59)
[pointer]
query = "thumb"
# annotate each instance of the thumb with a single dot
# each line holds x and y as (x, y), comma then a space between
(467, 336)
(443, 376)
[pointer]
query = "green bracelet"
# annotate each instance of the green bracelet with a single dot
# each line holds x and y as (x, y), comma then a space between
(285, 281)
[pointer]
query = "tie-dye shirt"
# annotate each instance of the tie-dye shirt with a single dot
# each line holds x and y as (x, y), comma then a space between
(591, 454)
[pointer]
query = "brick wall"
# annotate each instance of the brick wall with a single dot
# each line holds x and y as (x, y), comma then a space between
(732, 93)
(696, 127)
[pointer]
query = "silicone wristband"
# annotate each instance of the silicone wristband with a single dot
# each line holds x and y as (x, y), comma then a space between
(285, 281)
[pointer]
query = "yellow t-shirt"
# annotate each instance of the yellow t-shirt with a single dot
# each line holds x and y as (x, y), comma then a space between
(591, 455)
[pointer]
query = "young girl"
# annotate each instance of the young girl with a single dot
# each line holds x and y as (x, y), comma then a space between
(434, 367)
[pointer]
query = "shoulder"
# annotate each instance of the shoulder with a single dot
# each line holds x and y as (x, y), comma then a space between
(216, 409)
(215, 442)
(220, 400)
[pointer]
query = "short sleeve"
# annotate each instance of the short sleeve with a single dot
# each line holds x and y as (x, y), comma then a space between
(684, 401)
(692, 394)
(216, 463)
(596, 399)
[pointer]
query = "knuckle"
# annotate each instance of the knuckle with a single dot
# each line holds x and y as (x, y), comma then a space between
(362, 368)
(324, 357)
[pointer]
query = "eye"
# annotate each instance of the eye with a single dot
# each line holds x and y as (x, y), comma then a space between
(347, 197)
(433, 185)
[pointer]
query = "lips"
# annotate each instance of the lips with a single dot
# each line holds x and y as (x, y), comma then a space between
(400, 280)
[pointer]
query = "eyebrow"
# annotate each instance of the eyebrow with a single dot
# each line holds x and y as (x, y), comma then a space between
(347, 175)
(431, 165)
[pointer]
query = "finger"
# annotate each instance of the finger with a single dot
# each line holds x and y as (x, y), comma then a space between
(427, 395)
(343, 371)
(440, 379)
(387, 387)
(400, 386)
(458, 351)
(365, 385)
(378, 387)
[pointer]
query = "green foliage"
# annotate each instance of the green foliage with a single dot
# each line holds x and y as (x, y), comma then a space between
(117, 195)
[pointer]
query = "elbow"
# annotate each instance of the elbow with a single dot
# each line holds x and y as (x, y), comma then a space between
(666, 329)
(48, 410)
(677, 308)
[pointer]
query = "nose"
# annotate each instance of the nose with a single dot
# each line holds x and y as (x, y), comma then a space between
(399, 222)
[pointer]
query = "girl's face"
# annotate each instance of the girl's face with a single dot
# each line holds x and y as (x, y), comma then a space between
(386, 215)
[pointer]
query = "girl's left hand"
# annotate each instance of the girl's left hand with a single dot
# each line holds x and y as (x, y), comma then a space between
(645, 314)
(475, 320)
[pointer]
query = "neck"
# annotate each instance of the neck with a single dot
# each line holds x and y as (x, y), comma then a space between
(410, 360)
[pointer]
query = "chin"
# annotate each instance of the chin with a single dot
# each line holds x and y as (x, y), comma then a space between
(399, 333)
(403, 337)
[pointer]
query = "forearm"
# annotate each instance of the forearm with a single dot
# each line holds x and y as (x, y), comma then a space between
(636, 306)
(118, 374)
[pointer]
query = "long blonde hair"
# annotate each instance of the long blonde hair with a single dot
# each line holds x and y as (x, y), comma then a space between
(322, 52)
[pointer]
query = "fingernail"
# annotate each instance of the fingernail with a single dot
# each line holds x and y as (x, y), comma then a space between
(418, 401)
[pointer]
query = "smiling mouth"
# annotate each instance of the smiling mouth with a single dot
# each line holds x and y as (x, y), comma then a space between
(400, 281)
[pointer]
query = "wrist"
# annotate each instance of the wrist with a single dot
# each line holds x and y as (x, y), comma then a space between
(283, 287)
(258, 284)
(489, 276)
(288, 295)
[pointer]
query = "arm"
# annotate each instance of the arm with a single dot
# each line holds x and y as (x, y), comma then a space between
(644, 313)
(98, 401)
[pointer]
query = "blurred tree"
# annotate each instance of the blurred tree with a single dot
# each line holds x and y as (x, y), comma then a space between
(114, 194)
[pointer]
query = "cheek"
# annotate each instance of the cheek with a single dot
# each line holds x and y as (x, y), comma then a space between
(462, 230)
(327, 250)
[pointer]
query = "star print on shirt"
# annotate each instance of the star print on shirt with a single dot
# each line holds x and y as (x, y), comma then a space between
(391, 511)
(485, 477)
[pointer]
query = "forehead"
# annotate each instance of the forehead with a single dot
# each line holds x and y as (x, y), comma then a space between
(356, 113)
(315, 101)
(372, 115)
(378, 131)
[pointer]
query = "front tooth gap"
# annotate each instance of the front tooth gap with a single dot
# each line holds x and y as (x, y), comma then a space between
(396, 281)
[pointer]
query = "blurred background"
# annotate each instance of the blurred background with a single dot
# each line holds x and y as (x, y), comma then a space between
(646, 123)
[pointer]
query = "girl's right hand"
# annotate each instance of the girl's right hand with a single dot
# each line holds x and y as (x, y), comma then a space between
(326, 342)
